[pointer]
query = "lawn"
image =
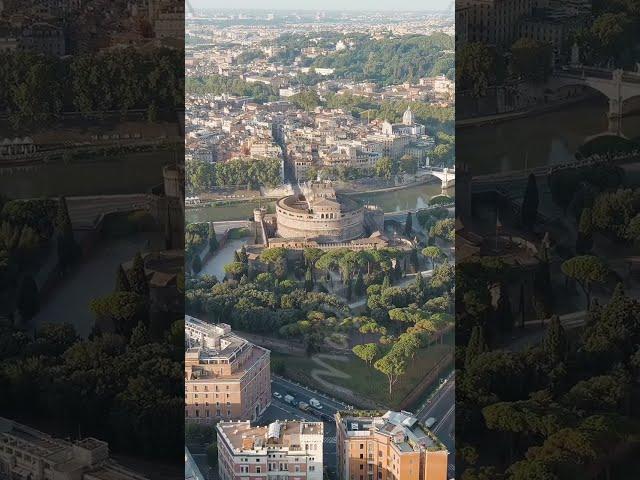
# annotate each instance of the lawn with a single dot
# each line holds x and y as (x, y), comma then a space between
(366, 380)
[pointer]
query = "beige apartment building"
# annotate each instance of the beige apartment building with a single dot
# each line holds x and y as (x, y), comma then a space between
(226, 377)
(390, 446)
(26, 453)
(287, 450)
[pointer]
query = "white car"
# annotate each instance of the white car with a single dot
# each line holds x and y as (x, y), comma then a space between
(430, 422)
(277, 395)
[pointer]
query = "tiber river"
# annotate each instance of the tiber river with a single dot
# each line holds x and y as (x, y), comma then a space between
(394, 201)
(545, 139)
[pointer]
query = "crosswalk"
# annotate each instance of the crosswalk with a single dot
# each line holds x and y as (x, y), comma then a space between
(330, 439)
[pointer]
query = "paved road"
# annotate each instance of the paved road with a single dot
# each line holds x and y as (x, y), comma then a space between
(302, 393)
(280, 410)
(536, 331)
(69, 302)
(442, 407)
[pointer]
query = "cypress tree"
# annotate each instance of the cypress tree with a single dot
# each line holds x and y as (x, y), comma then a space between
(555, 343)
(122, 282)
(530, 203)
(358, 287)
(63, 220)
(476, 345)
(413, 258)
(138, 277)
(584, 240)
(196, 264)
(521, 308)
(65, 242)
(542, 288)
(504, 315)
(386, 282)
(308, 280)
(420, 283)
(349, 289)
(408, 225)
(139, 335)
(397, 271)
(213, 240)
(244, 258)
(28, 298)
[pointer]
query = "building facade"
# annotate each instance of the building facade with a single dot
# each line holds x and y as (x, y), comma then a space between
(390, 446)
(290, 450)
(26, 453)
(494, 22)
(226, 377)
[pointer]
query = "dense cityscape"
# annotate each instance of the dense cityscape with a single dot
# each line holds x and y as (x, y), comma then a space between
(319, 189)
(546, 311)
(91, 265)
(235, 237)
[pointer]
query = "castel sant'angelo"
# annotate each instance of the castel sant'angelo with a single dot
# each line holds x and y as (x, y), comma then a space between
(317, 216)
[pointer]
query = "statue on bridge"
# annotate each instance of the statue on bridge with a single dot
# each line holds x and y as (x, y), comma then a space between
(575, 55)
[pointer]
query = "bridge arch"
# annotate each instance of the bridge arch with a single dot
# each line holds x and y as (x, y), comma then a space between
(630, 105)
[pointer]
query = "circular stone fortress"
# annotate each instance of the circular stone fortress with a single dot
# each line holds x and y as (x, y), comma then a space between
(319, 213)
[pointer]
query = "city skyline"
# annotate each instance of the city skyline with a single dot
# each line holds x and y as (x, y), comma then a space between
(327, 5)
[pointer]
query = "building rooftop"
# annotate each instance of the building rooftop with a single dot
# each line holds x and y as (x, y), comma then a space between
(286, 434)
(406, 432)
(209, 345)
(89, 455)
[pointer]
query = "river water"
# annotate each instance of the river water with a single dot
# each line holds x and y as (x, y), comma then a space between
(135, 173)
(215, 264)
(393, 201)
(549, 138)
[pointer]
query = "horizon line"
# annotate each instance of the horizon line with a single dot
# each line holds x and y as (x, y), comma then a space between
(444, 10)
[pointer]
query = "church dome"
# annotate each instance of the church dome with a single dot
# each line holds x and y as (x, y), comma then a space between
(407, 118)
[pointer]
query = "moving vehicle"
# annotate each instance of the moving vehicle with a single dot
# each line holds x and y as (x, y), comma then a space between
(430, 422)
(289, 399)
(277, 395)
(315, 403)
(303, 406)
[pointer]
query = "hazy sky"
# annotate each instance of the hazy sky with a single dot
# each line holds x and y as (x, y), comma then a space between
(323, 4)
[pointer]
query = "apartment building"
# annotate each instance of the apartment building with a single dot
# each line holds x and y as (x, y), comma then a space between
(389, 446)
(287, 450)
(494, 22)
(28, 453)
(226, 377)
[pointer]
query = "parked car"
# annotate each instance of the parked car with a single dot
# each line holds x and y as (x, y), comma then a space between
(303, 406)
(430, 422)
